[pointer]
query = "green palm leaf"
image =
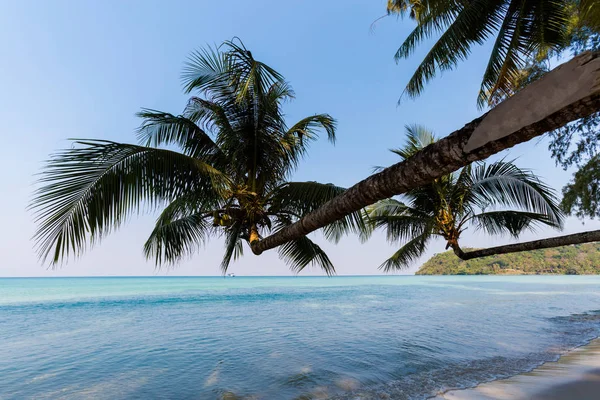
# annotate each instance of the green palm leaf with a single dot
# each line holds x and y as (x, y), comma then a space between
(205, 69)
(407, 254)
(431, 21)
(528, 26)
(521, 27)
(159, 128)
(474, 23)
(417, 138)
(173, 239)
(90, 190)
(249, 76)
(504, 184)
(308, 127)
(511, 222)
(590, 13)
(301, 252)
(213, 116)
(401, 222)
(182, 227)
(386, 208)
(233, 245)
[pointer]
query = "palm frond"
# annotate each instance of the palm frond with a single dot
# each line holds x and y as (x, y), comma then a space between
(511, 222)
(589, 11)
(301, 252)
(504, 184)
(300, 198)
(400, 222)
(528, 26)
(233, 245)
(205, 68)
(307, 128)
(249, 76)
(507, 55)
(417, 138)
(213, 116)
(159, 128)
(90, 190)
(279, 92)
(432, 20)
(407, 254)
(173, 239)
(401, 227)
(387, 207)
(190, 212)
(474, 22)
(460, 195)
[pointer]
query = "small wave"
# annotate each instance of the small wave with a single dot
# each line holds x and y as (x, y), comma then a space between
(426, 384)
(534, 293)
(590, 316)
(301, 379)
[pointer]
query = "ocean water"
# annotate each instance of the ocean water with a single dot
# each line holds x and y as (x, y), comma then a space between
(399, 337)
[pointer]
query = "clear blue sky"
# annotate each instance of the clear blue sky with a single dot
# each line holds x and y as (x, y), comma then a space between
(82, 69)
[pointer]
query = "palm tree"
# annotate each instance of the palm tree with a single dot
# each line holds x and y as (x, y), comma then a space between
(497, 199)
(520, 28)
(477, 140)
(229, 179)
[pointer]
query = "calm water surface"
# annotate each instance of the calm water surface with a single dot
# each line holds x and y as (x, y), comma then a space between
(283, 338)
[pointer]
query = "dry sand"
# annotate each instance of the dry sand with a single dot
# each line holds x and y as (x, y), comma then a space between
(575, 376)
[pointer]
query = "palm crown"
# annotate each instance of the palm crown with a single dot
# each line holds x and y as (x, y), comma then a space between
(229, 179)
(498, 198)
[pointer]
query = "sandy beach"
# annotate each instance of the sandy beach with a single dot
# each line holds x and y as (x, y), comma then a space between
(575, 376)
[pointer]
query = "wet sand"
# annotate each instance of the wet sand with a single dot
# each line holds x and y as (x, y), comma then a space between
(575, 376)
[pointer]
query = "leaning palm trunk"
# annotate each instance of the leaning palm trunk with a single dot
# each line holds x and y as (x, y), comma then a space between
(567, 93)
(566, 240)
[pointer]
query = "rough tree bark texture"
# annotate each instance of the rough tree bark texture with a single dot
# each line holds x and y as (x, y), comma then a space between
(567, 93)
(577, 238)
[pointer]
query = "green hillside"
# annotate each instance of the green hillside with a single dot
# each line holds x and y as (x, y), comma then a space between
(581, 259)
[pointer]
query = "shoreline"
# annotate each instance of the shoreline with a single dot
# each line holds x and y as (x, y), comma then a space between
(575, 375)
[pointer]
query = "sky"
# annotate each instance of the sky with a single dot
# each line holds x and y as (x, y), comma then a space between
(82, 69)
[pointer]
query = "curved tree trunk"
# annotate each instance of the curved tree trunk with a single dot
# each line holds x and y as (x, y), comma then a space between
(577, 238)
(254, 236)
(459, 252)
(567, 93)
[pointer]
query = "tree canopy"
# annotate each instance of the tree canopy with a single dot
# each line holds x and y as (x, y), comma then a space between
(228, 179)
(528, 35)
(497, 199)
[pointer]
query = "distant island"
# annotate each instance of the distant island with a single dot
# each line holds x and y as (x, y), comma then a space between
(583, 259)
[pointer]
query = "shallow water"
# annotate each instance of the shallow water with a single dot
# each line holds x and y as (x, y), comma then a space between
(283, 338)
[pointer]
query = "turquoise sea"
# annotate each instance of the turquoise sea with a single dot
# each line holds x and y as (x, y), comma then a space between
(406, 337)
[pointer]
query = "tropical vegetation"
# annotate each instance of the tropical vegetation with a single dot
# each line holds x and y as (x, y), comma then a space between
(229, 177)
(581, 259)
(576, 144)
(518, 28)
(528, 36)
(497, 198)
